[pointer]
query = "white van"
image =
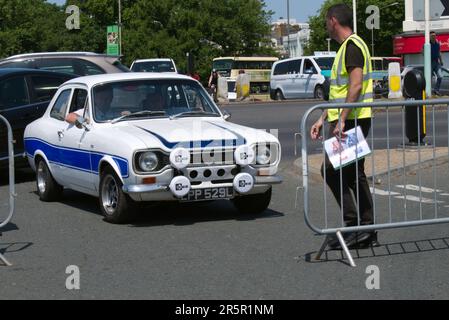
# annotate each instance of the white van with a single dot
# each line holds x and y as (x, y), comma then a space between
(301, 77)
(154, 65)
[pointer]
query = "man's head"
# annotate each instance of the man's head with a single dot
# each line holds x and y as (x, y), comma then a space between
(433, 36)
(339, 21)
(103, 96)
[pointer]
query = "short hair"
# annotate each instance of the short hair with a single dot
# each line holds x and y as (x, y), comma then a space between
(343, 14)
(433, 32)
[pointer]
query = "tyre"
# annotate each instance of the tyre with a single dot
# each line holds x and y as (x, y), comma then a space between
(47, 188)
(319, 93)
(278, 96)
(253, 204)
(116, 206)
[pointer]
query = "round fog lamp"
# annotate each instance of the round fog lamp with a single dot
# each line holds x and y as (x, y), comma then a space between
(263, 155)
(148, 161)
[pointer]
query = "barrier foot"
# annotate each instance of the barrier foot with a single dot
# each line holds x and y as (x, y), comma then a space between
(323, 247)
(6, 262)
(345, 249)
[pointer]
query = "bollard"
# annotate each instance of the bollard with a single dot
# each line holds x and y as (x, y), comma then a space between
(414, 88)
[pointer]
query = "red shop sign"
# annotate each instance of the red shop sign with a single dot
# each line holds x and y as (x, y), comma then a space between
(414, 44)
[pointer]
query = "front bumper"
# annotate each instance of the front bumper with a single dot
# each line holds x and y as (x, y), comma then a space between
(159, 192)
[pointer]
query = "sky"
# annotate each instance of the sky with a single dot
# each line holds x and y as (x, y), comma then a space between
(299, 9)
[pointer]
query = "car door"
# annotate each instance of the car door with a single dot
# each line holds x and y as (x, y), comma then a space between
(309, 79)
(75, 146)
(295, 78)
(15, 107)
(51, 138)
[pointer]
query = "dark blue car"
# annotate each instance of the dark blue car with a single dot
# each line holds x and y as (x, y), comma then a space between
(24, 97)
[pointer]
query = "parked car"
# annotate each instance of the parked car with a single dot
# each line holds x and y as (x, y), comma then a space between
(78, 63)
(303, 77)
(24, 97)
(148, 137)
(154, 65)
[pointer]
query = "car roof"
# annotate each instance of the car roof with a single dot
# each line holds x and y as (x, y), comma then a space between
(12, 71)
(304, 57)
(150, 60)
(91, 81)
(57, 54)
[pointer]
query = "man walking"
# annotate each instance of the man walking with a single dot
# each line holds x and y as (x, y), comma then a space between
(350, 82)
(437, 61)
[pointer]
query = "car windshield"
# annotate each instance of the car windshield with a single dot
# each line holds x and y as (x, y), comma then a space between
(139, 99)
(325, 63)
(154, 66)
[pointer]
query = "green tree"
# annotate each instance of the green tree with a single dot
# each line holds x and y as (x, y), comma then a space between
(391, 19)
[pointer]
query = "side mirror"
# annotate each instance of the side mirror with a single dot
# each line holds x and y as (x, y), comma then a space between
(309, 71)
(78, 121)
(226, 115)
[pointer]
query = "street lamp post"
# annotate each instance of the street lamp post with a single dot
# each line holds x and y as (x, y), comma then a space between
(328, 44)
(354, 13)
(120, 25)
(288, 28)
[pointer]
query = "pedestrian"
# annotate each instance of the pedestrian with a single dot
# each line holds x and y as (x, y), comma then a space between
(437, 61)
(350, 82)
(196, 76)
(213, 83)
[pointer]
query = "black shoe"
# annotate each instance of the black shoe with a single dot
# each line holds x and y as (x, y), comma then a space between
(334, 243)
(363, 240)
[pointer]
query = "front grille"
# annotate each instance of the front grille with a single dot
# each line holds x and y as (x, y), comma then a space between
(212, 157)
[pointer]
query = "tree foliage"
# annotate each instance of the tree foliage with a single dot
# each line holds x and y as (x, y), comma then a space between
(151, 28)
(391, 19)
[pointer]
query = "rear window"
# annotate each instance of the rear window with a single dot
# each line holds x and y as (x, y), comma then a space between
(154, 66)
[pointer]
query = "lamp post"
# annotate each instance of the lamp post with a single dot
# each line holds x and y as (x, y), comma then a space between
(354, 13)
(328, 44)
(288, 28)
(120, 25)
(372, 26)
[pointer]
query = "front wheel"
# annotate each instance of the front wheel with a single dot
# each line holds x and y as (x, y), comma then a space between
(319, 93)
(279, 96)
(47, 188)
(253, 204)
(116, 206)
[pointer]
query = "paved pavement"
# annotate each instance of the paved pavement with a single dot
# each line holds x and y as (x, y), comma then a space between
(210, 251)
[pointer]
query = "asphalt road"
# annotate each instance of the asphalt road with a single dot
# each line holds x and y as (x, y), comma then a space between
(210, 251)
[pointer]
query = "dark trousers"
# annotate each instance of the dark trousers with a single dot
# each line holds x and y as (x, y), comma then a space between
(349, 182)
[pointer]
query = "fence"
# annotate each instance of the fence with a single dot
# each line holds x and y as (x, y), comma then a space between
(393, 115)
(12, 193)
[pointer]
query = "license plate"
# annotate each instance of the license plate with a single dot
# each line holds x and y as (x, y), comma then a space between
(209, 194)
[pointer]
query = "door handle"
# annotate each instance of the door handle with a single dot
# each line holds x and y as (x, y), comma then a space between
(61, 134)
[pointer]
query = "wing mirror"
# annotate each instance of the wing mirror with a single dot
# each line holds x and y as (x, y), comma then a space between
(226, 115)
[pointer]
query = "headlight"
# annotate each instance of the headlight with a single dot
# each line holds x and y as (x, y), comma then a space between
(263, 155)
(148, 161)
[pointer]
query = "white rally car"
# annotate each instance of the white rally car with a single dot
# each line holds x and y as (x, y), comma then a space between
(139, 137)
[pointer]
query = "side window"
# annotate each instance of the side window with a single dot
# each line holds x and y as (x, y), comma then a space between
(60, 107)
(45, 87)
(28, 64)
(294, 66)
(309, 68)
(280, 69)
(86, 68)
(79, 100)
(64, 65)
(13, 93)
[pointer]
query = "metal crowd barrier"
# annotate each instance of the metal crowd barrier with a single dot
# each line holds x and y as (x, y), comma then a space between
(333, 226)
(12, 193)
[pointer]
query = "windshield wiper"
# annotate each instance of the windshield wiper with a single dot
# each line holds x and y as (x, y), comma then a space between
(192, 113)
(138, 114)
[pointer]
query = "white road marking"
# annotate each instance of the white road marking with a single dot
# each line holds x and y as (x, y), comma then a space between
(417, 199)
(383, 193)
(412, 187)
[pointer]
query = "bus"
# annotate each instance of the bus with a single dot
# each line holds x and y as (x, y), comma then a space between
(258, 68)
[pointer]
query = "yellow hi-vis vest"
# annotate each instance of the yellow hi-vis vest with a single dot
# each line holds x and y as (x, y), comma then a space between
(339, 82)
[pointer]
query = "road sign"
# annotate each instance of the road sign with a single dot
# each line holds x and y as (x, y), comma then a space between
(439, 9)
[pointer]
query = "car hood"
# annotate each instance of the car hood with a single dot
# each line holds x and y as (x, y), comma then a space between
(191, 133)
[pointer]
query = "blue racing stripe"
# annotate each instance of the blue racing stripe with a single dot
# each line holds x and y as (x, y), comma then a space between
(78, 159)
